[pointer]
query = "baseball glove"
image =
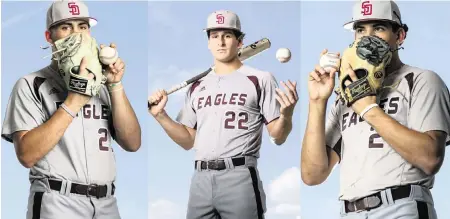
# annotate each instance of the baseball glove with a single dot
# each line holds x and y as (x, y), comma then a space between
(368, 57)
(69, 53)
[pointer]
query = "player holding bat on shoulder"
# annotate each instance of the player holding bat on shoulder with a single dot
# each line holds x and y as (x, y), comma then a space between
(223, 118)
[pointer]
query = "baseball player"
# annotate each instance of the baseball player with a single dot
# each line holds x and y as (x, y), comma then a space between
(65, 137)
(389, 147)
(223, 119)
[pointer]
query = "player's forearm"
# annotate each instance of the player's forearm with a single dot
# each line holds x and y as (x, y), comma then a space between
(417, 148)
(126, 124)
(281, 130)
(36, 143)
(314, 158)
(177, 132)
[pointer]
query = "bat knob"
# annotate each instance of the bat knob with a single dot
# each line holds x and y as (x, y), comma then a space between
(151, 103)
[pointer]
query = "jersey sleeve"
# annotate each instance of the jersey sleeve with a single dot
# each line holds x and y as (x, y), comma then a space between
(187, 115)
(23, 112)
(430, 104)
(333, 137)
(270, 107)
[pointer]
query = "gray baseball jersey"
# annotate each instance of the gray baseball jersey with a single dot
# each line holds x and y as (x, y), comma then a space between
(368, 164)
(229, 112)
(84, 153)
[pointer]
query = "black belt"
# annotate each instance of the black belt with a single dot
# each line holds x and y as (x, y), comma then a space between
(219, 164)
(98, 191)
(375, 201)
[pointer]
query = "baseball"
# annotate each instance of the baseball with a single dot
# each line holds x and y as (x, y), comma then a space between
(108, 55)
(283, 55)
(330, 61)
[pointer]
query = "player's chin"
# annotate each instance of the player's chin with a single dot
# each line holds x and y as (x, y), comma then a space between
(224, 57)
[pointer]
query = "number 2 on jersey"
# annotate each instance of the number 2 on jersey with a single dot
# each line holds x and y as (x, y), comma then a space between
(372, 139)
(392, 105)
(242, 119)
(103, 139)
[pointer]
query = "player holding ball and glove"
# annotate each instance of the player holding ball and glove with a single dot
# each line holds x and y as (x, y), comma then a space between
(223, 119)
(62, 120)
(388, 129)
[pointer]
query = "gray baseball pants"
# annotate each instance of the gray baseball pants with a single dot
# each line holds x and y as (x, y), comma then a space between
(233, 193)
(45, 203)
(419, 205)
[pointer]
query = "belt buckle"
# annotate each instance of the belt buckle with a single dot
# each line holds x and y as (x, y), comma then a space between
(90, 187)
(356, 207)
(365, 204)
(212, 164)
(373, 202)
(353, 206)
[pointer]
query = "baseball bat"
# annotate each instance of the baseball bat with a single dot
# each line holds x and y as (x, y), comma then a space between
(245, 53)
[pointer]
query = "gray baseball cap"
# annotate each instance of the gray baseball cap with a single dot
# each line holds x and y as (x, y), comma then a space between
(223, 19)
(64, 10)
(365, 10)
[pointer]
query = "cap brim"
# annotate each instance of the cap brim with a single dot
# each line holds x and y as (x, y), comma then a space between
(349, 25)
(227, 28)
(91, 21)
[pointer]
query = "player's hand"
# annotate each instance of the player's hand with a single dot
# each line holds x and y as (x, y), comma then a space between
(76, 101)
(159, 99)
(287, 99)
(114, 72)
(321, 83)
(359, 105)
